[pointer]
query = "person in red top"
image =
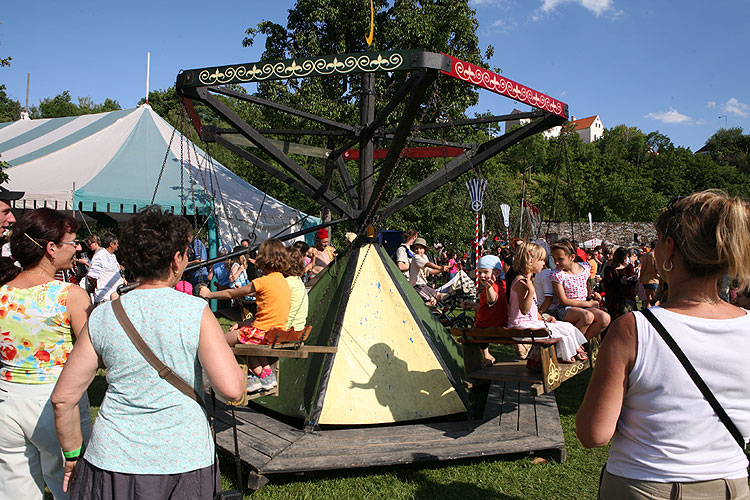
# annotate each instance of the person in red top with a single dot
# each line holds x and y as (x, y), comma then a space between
(273, 298)
(492, 310)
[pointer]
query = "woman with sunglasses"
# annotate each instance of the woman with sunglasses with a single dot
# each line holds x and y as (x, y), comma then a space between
(39, 319)
(667, 439)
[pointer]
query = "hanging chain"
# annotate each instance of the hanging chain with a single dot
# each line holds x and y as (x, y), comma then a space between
(163, 164)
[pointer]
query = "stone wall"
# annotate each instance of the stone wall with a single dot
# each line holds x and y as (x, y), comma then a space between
(627, 234)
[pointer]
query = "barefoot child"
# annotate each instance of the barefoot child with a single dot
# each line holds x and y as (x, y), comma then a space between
(273, 297)
(492, 310)
(576, 302)
(523, 311)
(419, 268)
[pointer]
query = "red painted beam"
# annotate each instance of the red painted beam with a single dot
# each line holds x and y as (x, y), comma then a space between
(499, 84)
(422, 152)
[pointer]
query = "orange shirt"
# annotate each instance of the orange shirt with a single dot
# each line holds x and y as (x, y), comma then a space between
(274, 298)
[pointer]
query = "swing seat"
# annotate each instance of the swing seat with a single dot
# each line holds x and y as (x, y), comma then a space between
(554, 372)
(277, 343)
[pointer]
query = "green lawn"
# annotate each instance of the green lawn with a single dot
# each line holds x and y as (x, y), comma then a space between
(514, 477)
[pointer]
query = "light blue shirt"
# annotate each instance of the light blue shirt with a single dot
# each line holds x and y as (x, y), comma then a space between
(145, 425)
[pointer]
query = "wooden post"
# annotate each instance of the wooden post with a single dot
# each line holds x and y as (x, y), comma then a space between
(366, 116)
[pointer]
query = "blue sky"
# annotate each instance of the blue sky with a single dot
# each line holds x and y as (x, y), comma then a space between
(675, 67)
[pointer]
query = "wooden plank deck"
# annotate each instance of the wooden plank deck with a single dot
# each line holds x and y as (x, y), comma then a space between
(515, 420)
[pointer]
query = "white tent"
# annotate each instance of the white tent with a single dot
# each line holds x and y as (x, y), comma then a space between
(112, 162)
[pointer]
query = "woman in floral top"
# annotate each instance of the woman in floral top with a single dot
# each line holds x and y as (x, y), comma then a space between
(39, 319)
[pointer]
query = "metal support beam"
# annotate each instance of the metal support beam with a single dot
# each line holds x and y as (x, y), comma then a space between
(530, 115)
(366, 147)
(369, 131)
(320, 195)
(422, 81)
(274, 172)
(280, 107)
(463, 163)
(346, 179)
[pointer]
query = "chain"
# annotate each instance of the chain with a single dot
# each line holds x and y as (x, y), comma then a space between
(163, 164)
(182, 161)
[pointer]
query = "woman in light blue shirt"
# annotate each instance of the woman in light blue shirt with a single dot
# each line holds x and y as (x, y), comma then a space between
(148, 435)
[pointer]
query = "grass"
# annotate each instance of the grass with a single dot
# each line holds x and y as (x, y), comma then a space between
(513, 477)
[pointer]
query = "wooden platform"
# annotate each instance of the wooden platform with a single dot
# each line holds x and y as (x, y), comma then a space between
(515, 420)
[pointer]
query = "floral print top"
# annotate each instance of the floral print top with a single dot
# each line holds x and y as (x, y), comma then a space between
(35, 334)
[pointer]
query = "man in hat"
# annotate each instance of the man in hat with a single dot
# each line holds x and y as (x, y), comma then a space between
(7, 218)
(324, 252)
(419, 268)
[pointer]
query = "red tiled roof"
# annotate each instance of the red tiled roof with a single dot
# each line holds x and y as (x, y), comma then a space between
(584, 123)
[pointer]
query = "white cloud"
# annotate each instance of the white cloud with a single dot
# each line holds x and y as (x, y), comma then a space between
(502, 25)
(711, 104)
(736, 107)
(598, 7)
(671, 116)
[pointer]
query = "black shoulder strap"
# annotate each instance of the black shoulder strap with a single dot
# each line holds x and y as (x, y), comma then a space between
(164, 371)
(736, 434)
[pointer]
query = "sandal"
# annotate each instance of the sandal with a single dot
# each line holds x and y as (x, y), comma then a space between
(582, 356)
(489, 361)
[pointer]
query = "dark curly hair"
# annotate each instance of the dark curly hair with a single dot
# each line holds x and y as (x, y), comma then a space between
(272, 256)
(296, 262)
(32, 232)
(149, 240)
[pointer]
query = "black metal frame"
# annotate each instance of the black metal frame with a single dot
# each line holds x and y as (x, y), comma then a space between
(362, 201)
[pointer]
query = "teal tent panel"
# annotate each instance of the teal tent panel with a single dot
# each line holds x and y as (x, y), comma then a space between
(36, 132)
(131, 176)
(3, 125)
(106, 120)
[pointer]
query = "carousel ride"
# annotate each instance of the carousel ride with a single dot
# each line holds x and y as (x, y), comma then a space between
(378, 380)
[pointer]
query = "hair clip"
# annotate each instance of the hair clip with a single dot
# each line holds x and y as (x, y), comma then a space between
(32, 239)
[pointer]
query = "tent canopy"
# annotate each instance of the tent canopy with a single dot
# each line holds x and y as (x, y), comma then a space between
(112, 162)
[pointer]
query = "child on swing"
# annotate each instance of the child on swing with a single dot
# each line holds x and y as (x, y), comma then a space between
(576, 302)
(273, 298)
(523, 310)
(492, 310)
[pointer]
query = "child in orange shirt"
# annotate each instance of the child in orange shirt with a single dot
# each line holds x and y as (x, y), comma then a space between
(273, 298)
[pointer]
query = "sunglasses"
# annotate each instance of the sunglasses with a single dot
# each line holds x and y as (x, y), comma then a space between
(672, 203)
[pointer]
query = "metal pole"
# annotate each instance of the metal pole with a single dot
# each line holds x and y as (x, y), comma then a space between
(366, 147)
(476, 257)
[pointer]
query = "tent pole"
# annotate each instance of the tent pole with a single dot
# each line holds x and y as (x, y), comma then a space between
(213, 247)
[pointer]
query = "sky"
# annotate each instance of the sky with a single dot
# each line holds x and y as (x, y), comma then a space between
(670, 66)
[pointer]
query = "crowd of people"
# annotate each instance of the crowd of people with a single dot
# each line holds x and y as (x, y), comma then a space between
(150, 435)
(153, 436)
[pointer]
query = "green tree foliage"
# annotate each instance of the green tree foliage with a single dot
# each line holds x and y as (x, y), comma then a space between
(63, 105)
(731, 147)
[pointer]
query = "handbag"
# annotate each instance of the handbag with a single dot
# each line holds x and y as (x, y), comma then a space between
(167, 374)
(736, 434)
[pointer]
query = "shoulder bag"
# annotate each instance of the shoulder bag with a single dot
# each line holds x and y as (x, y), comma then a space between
(736, 434)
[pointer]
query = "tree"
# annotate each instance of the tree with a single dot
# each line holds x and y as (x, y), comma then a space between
(63, 105)
(731, 147)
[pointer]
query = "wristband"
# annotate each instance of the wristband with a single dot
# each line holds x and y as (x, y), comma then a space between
(73, 455)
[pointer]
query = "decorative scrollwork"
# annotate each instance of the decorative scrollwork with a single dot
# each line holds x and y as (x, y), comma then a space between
(553, 373)
(574, 370)
(496, 83)
(299, 68)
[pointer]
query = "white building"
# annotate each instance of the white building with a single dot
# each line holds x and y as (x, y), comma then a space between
(589, 129)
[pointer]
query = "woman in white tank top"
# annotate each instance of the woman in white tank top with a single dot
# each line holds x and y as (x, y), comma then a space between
(667, 442)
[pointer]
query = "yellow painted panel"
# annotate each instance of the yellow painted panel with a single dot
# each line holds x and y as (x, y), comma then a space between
(384, 370)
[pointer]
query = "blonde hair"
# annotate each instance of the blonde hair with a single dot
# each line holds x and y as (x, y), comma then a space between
(710, 231)
(523, 255)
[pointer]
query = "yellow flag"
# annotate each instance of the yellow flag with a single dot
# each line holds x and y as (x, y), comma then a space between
(368, 39)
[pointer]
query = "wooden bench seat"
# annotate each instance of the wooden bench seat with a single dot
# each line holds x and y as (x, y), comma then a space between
(277, 343)
(554, 372)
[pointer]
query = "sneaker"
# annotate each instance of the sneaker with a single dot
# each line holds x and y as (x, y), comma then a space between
(253, 384)
(268, 383)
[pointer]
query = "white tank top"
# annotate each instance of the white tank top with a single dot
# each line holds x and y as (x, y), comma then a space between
(667, 431)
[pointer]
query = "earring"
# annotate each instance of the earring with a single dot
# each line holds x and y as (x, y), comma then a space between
(664, 266)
